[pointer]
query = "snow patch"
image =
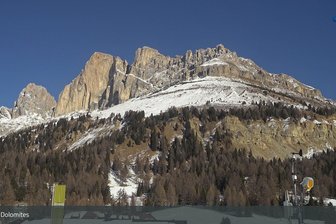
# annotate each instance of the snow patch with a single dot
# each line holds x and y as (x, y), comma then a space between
(328, 146)
(309, 87)
(214, 61)
(155, 157)
(317, 122)
(327, 201)
(271, 122)
(303, 120)
(286, 123)
(129, 186)
(311, 153)
(142, 80)
(86, 139)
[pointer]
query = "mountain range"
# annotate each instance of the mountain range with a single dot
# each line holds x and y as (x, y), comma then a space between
(215, 76)
(162, 125)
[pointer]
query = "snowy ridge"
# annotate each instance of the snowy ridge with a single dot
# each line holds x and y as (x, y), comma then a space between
(12, 125)
(198, 92)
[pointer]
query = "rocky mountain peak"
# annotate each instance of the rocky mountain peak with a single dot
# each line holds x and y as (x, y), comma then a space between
(144, 56)
(98, 56)
(148, 60)
(107, 80)
(85, 91)
(34, 99)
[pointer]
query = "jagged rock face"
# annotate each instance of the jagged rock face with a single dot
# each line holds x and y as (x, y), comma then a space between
(34, 99)
(107, 80)
(162, 71)
(104, 82)
(91, 87)
(148, 61)
(5, 113)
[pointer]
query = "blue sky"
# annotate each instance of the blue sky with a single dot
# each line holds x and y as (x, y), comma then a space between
(48, 42)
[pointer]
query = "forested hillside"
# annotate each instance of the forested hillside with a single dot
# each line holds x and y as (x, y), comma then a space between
(196, 163)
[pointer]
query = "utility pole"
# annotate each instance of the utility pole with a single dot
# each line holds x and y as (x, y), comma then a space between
(307, 184)
(294, 175)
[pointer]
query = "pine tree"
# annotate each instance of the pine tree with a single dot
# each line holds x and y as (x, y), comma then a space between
(211, 194)
(7, 193)
(159, 195)
(171, 195)
(154, 141)
(124, 173)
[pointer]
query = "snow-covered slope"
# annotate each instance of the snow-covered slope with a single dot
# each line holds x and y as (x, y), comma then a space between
(12, 125)
(198, 92)
(129, 185)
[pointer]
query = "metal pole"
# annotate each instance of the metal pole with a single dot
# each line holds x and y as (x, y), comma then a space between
(294, 178)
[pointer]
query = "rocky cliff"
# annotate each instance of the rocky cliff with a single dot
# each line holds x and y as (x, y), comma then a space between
(85, 91)
(107, 80)
(277, 138)
(34, 99)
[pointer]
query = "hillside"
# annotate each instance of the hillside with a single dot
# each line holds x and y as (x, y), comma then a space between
(159, 155)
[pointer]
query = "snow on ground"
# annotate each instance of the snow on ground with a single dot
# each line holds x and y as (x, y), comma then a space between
(73, 115)
(317, 122)
(310, 87)
(130, 186)
(156, 156)
(286, 123)
(216, 90)
(182, 214)
(12, 125)
(214, 61)
(326, 201)
(201, 215)
(302, 120)
(87, 138)
(271, 122)
(141, 79)
(311, 152)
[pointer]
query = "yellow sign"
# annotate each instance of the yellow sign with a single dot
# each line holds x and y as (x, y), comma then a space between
(308, 183)
(58, 195)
